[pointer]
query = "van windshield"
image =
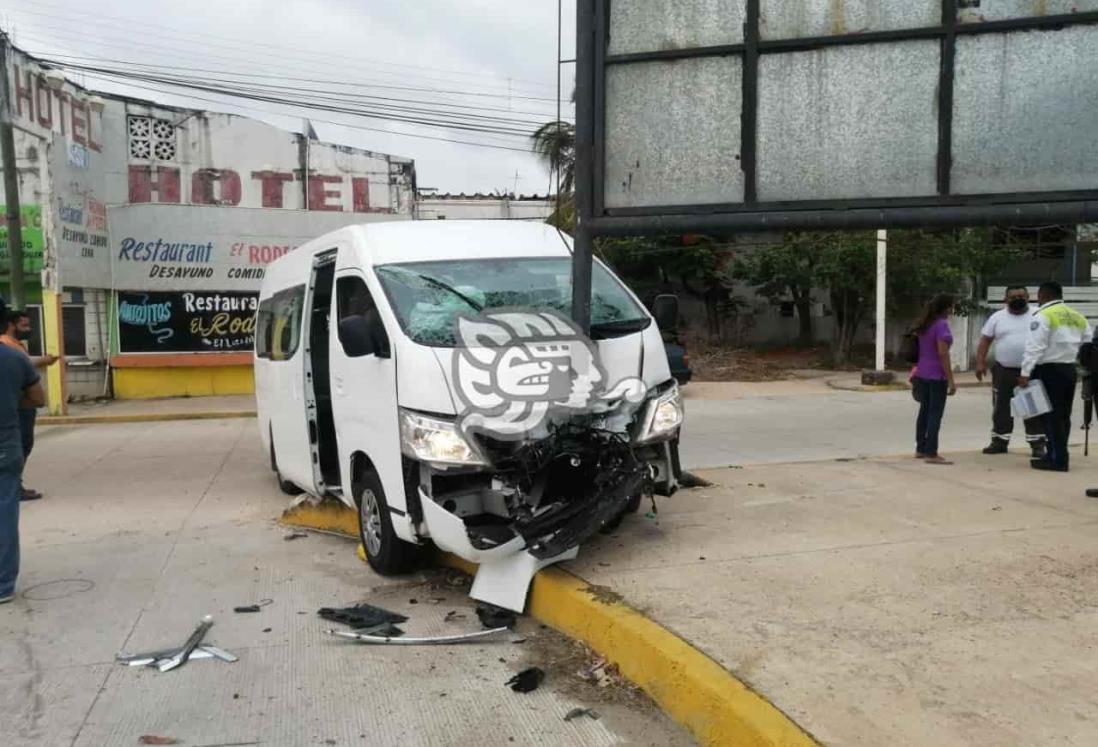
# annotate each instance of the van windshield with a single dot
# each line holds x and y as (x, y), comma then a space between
(428, 296)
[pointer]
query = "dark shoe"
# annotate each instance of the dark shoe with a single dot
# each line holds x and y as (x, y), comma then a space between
(30, 495)
(997, 446)
(1046, 466)
(1038, 450)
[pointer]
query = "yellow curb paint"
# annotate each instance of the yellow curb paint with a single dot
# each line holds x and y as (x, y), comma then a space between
(693, 689)
(144, 417)
(330, 516)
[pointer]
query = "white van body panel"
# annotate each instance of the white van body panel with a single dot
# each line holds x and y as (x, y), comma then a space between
(368, 392)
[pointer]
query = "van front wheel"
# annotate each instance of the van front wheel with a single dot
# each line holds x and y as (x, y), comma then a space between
(386, 553)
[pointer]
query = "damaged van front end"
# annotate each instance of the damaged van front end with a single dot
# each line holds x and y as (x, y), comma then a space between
(516, 505)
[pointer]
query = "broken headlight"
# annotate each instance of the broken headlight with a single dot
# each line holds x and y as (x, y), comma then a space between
(663, 416)
(433, 440)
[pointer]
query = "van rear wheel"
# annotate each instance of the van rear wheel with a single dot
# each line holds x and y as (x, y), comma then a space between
(385, 552)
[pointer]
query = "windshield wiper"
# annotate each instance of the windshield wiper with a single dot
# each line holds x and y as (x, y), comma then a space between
(435, 283)
(619, 327)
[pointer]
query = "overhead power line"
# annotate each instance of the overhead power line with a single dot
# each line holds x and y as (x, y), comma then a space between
(287, 61)
(236, 105)
(100, 19)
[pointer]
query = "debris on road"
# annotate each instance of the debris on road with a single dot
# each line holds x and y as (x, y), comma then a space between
(254, 607)
(168, 659)
(453, 615)
(421, 641)
(294, 534)
(189, 646)
(527, 680)
(492, 616)
(154, 739)
(361, 615)
(577, 712)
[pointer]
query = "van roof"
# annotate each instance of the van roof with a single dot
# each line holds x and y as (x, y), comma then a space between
(424, 241)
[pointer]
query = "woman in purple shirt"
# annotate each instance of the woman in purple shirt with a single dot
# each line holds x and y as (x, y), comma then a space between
(933, 380)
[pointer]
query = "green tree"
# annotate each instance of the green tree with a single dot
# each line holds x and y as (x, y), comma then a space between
(786, 271)
(555, 143)
(920, 264)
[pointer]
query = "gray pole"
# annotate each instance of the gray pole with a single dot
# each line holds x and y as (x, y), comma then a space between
(585, 153)
(11, 184)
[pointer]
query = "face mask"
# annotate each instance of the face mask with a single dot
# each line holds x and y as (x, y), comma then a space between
(1018, 305)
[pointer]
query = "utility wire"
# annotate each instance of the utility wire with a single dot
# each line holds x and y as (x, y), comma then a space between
(242, 107)
(371, 114)
(71, 37)
(63, 60)
(311, 94)
(100, 19)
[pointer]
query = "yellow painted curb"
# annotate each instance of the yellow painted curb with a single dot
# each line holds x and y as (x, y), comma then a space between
(693, 689)
(144, 417)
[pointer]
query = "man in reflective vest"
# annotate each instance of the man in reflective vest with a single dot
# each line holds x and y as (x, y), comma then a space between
(1055, 335)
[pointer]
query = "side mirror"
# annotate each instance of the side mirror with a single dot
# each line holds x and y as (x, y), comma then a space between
(665, 308)
(363, 335)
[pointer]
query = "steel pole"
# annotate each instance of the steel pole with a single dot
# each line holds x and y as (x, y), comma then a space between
(882, 275)
(11, 185)
(583, 250)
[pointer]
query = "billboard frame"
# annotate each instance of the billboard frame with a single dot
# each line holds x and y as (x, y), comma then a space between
(942, 209)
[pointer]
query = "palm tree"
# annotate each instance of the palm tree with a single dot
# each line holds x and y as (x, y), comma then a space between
(555, 142)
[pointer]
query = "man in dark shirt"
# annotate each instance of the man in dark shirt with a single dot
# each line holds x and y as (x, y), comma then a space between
(20, 386)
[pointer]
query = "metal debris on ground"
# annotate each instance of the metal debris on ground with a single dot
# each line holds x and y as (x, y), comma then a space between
(385, 630)
(294, 534)
(420, 641)
(492, 616)
(360, 615)
(453, 615)
(527, 680)
(168, 659)
(577, 712)
(254, 607)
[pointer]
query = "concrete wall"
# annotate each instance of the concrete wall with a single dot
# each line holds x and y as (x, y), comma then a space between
(483, 208)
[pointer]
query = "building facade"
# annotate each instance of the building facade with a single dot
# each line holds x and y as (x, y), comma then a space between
(123, 198)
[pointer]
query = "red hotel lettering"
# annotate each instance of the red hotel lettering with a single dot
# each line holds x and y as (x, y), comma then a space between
(79, 123)
(319, 196)
(62, 97)
(202, 187)
(23, 93)
(272, 182)
(142, 184)
(45, 112)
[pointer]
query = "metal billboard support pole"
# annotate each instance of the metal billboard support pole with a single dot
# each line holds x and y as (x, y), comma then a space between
(11, 185)
(882, 275)
(583, 247)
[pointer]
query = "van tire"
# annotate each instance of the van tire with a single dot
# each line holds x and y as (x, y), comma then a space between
(386, 553)
(285, 486)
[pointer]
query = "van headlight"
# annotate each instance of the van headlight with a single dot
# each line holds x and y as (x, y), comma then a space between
(432, 440)
(663, 416)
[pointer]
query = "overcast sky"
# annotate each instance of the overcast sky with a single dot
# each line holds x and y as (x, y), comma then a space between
(496, 55)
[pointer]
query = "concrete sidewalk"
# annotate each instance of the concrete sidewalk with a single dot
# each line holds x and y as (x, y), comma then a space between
(885, 601)
(146, 527)
(151, 410)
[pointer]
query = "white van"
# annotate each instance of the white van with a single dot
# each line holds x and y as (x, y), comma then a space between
(355, 372)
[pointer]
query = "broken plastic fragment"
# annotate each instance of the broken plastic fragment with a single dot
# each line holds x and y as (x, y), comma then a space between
(527, 680)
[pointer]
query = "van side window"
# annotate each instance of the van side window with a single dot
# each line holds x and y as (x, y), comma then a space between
(353, 298)
(278, 324)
